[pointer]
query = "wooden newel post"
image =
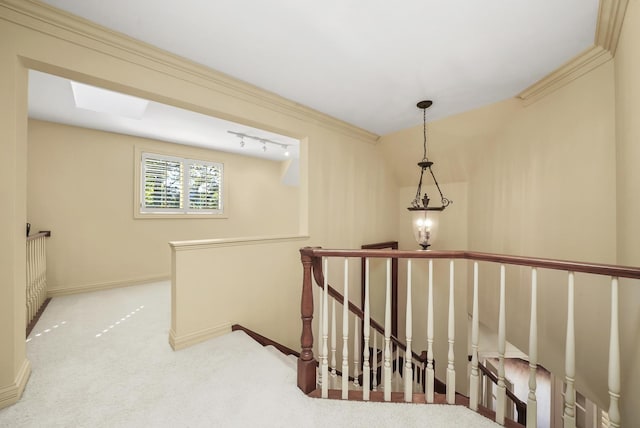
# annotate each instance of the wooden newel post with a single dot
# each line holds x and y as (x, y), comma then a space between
(306, 362)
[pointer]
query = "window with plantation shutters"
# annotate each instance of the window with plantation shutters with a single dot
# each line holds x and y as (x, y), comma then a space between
(204, 186)
(175, 185)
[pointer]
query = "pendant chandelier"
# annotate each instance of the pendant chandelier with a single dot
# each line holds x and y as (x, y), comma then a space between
(425, 216)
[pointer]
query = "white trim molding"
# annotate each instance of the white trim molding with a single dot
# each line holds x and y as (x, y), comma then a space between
(578, 66)
(608, 28)
(184, 341)
(11, 394)
(232, 242)
(106, 285)
(610, 17)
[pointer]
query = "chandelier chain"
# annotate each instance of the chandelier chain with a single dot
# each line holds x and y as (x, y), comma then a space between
(424, 132)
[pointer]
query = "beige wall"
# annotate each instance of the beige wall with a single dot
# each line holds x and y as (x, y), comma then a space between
(627, 79)
(257, 285)
(349, 192)
(344, 181)
(541, 181)
(14, 367)
(544, 186)
(81, 187)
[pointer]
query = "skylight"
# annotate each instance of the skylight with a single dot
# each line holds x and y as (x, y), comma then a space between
(104, 101)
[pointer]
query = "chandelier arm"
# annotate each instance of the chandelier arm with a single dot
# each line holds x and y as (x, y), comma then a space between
(445, 201)
(416, 201)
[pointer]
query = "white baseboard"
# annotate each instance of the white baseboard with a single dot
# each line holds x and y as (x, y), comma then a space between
(105, 285)
(11, 394)
(181, 342)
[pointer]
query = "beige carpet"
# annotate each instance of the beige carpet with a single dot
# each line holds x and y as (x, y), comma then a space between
(102, 359)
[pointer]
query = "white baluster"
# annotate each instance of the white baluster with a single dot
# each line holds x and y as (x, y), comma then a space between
(475, 378)
(387, 337)
(44, 266)
(429, 395)
(320, 331)
(356, 352)
(408, 378)
(28, 291)
(366, 370)
(532, 402)
(345, 333)
(34, 281)
(325, 332)
(501, 390)
(334, 372)
(33, 306)
(36, 277)
(28, 283)
(614, 359)
(451, 372)
(570, 362)
(375, 360)
(397, 379)
(40, 272)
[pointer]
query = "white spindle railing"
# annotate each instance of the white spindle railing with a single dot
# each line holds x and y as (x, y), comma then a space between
(36, 286)
(345, 333)
(374, 385)
(334, 370)
(320, 335)
(356, 352)
(366, 371)
(429, 394)
(614, 359)
(501, 393)
(570, 361)
(408, 378)
(397, 381)
(532, 402)
(474, 382)
(387, 337)
(407, 375)
(325, 332)
(451, 373)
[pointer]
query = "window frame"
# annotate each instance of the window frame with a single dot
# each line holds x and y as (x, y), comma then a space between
(185, 212)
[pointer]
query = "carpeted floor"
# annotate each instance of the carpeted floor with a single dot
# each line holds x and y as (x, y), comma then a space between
(102, 359)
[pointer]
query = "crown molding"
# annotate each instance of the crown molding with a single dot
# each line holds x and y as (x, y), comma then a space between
(608, 28)
(610, 17)
(578, 66)
(49, 20)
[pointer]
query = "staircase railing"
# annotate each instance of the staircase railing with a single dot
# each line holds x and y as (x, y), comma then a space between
(36, 287)
(366, 370)
(315, 266)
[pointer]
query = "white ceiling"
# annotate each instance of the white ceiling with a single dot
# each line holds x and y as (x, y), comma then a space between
(366, 62)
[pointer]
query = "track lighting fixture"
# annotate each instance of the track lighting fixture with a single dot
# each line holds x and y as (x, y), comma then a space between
(264, 141)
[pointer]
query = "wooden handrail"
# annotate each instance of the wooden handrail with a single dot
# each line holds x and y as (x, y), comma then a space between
(42, 233)
(319, 278)
(564, 265)
(265, 341)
